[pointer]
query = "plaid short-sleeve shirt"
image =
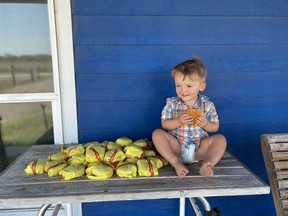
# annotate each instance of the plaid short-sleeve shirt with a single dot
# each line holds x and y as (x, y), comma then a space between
(189, 134)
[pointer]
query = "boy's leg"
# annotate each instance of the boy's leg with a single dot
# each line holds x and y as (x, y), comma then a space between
(169, 148)
(210, 151)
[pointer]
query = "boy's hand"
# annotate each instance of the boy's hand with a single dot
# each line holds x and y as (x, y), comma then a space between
(202, 121)
(185, 119)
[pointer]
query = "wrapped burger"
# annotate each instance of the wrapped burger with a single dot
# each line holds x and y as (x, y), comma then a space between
(74, 150)
(133, 151)
(53, 168)
(77, 159)
(72, 171)
(100, 171)
(114, 156)
(95, 153)
(147, 168)
(36, 166)
(126, 170)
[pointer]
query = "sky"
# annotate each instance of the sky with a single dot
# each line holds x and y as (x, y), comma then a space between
(24, 29)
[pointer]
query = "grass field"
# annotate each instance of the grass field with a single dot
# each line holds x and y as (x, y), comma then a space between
(24, 123)
(25, 130)
(19, 72)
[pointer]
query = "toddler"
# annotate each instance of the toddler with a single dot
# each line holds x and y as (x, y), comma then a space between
(180, 142)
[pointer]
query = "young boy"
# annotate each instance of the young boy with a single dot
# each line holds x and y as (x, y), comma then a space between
(186, 142)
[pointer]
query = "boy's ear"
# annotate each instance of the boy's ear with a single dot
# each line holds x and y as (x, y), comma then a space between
(202, 86)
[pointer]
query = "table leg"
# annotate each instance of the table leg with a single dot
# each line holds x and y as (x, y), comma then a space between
(182, 206)
(205, 203)
(195, 206)
(43, 209)
(56, 210)
(208, 210)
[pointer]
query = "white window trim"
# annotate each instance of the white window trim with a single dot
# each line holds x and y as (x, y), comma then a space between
(62, 34)
(62, 38)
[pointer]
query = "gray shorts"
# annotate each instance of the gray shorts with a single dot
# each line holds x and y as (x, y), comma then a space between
(188, 153)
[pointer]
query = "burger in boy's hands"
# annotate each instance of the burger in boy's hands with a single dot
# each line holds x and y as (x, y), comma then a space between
(195, 113)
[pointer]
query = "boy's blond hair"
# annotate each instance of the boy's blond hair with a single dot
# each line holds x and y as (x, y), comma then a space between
(193, 68)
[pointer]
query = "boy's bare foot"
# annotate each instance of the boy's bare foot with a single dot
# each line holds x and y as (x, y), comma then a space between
(180, 169)
(206, 169)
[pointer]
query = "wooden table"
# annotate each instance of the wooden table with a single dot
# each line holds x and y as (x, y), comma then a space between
(17, 188)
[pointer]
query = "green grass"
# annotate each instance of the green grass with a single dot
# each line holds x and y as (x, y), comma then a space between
(22, 70)
(25, 130)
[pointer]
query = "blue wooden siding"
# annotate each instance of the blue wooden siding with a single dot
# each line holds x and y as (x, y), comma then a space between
(125, 50)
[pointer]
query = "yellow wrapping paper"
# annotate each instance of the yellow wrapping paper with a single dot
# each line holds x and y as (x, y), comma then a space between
(89, 168)
(159, 161)
(89, 144)
(58, 156)
(141, 143)
(74, 150)
(149, 146)
(149, 153)
(100, 171)
(133, 151)
(77, 159)
(53, 168)
(123, 141)
(36, 166)
(72, 171)
(95, 153)
(112, 145)
(114, 156)
(147, 168)
(132, 160)
(126, 170)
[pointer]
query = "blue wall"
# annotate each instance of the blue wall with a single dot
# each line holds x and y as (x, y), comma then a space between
(125, 50)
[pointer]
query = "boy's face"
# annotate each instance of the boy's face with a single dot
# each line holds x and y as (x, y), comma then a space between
(187, 89)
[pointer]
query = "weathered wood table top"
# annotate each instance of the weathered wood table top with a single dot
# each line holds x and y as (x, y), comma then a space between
(18, 188)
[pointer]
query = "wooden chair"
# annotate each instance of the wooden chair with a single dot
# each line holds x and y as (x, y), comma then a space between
(275, 153)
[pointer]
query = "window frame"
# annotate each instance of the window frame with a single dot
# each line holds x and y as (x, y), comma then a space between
(64, 112)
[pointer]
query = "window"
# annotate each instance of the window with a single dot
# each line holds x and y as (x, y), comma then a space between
(25, 67)
(30, 85)
(31, 48)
